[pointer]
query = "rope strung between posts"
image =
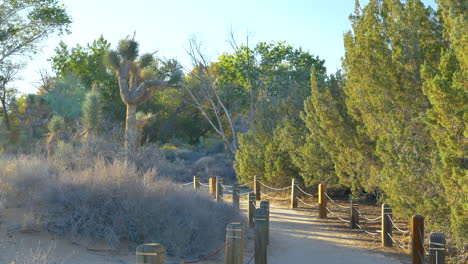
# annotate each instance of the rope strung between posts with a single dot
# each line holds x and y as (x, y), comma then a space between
(367, 232)
(402, 231)
(187, 183)
(206, 185)
(346, 207)
(304, 192)
(311, 205)
(226, 186)
(207, 256)
(274, 189)
(396, 243)
(253, 203)
(274, 198)
(422, 257)
(246, 184)
(344, 220)
(422, 240)
(250, 260)
(368, 219)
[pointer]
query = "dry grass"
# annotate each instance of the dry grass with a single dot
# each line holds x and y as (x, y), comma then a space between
(114, 202)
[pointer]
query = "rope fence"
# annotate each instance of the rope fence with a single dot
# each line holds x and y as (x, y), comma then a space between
(412, 240)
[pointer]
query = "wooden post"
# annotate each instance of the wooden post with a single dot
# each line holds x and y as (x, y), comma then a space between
(386, 225)
(266, 205)
(353, 214)
(151, 253)
(260, 236)
(219, 189)
(235, 243)
(196, 183)
(417, 239)
(437, 248)
(257, 188)
(322, 199)
(251, 209)
(212, 186)
(294, 192)
(235, 196)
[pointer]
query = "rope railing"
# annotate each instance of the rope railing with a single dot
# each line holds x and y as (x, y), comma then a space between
(393, 224)
(368, 219)
(344, 220)
(226, 186)
(274, 198)
(207, 256)
(367, 232)
(304, 192)
(246, 184)
(422, 240)
(311, 205)
(333, 201)
(396, 243)
(204, 184)
(274, 189)
(183, 184)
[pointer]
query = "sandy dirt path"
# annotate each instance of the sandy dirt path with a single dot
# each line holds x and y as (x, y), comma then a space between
(296, 238)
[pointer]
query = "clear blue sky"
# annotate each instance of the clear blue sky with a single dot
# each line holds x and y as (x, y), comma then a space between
(166, 26)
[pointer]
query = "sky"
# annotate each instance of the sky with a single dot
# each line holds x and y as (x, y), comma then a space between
(166, 26)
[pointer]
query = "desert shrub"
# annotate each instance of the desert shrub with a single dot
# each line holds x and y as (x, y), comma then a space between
(210, 145)
(114, 202)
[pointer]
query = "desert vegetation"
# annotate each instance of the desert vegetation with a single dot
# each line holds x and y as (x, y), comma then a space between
(98, 151)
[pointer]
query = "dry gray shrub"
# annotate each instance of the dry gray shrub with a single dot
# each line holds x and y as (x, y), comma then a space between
(114, 202)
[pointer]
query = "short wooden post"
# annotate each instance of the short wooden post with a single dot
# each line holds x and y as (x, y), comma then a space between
(196, 183)
(353, 214)
(266, 205)
(260, 236)
(212, 187)
(417, 239)
(219, 189)
(294, 192)
(151, 253)
(437, 248)
(386, 225)
(235, 196)
(234, 243)
(322, 199)
(251, 209)
(257, 188)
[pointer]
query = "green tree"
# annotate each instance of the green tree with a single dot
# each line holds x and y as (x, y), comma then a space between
(86, 64)
(23, 24)
(137, 81)
(446, 87)
(281, 83)
(384, 53)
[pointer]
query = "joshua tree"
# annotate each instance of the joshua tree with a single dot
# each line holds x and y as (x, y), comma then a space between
(92, 112)
(138, 78)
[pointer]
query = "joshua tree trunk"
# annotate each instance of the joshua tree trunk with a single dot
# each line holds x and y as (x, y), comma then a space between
(131, 130)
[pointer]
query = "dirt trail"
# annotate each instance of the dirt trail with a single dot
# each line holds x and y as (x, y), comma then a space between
(299, 238)
(295, 237)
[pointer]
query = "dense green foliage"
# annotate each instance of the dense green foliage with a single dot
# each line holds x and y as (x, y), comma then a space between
(278, 75)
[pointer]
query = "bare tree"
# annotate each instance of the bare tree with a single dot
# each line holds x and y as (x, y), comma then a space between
(207, 99)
